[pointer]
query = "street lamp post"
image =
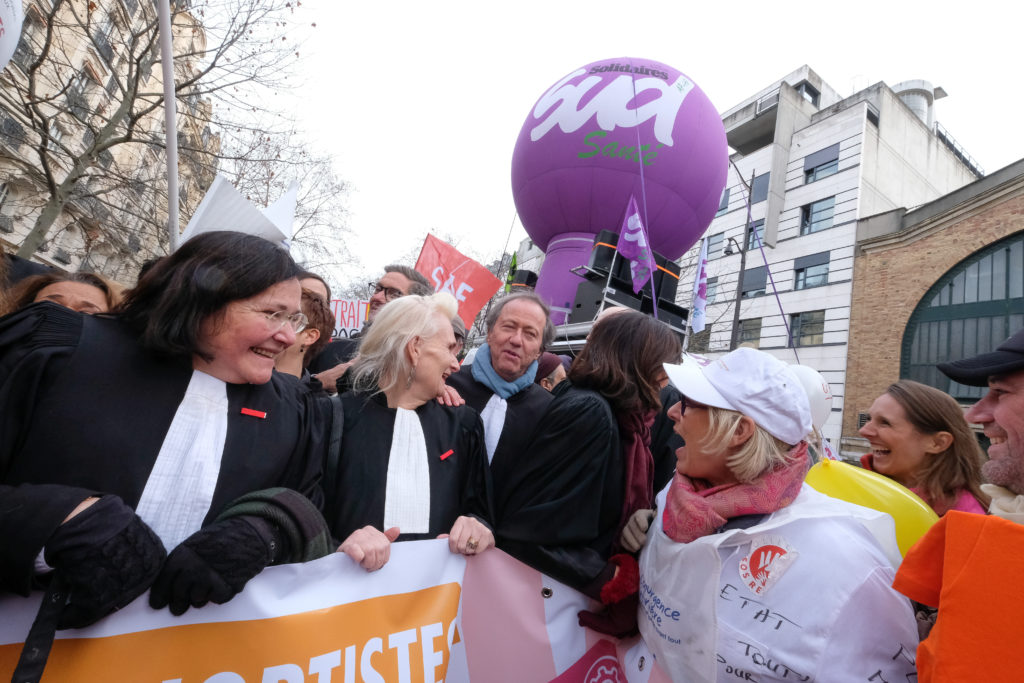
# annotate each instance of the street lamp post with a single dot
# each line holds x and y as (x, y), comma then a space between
(735, 336)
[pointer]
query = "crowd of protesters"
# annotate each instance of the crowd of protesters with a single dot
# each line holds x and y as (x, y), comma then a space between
(182, 435)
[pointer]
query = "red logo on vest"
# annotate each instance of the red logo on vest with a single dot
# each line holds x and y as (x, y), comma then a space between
(769, 557)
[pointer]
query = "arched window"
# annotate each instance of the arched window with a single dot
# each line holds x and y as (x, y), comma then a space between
(971, 309)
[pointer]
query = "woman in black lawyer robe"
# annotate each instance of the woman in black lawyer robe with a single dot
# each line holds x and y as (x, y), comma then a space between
(122, 435)
(409, 468)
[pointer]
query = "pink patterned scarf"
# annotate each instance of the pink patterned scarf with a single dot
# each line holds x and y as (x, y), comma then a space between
(693, 509)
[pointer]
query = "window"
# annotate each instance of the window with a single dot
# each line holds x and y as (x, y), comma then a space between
(754, 281)
(809, 92)
(712, 289)
(759, 188)
(872, 115)
(807, 328)
(970, 310)
(821, 164)
(699, 341)
(817, 216)
(755, 236)
(750, 332)
(77, 94)
(811, 271)
(723, 205)
(715, 244)
(53, 143)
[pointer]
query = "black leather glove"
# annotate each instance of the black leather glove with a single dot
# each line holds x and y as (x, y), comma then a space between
(106, 556)
(621, 597)
(214, 564)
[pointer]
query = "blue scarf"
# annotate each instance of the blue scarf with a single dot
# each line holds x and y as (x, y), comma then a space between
(484, 373)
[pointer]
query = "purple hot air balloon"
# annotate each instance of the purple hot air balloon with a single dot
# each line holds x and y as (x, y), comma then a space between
(608, 130)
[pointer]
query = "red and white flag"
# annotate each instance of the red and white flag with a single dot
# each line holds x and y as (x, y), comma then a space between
(469, 282)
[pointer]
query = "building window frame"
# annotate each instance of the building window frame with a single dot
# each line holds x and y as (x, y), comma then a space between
(755, 282)
(716, 244)
(808, 92)
(757, 227)
(817, 216)
(759, 188)
(811, 271)
(723, 203)
(750, 332)
(807, 328)
(712, 289)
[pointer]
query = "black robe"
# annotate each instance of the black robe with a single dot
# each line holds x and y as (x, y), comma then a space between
(84, 409)
(459, 481)
(522, 414)
(563, 502)
(334, 353)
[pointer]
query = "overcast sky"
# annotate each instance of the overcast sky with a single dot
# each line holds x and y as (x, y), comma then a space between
(421, 103)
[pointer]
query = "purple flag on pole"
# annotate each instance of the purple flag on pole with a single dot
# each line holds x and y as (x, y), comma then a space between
(700, 290)
(633, 245)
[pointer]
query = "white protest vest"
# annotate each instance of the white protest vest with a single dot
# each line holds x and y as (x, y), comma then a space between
(805, 595)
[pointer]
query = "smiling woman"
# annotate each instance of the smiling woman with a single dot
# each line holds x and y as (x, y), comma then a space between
(144, 428)
(409, 467)
(920, 438)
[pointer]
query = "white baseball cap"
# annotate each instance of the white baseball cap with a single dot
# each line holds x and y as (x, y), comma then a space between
(750, 382)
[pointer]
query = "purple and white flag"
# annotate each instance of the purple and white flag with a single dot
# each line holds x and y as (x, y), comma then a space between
(633, 245)
(700, 290)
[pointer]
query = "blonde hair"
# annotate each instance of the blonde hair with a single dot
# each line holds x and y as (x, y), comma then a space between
(761, 453)
(382, 362)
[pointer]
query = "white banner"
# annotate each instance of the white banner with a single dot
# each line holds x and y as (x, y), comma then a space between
(427, 616)
(349, 316)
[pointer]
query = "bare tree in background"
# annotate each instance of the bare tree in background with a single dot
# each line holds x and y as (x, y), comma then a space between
(81, 125)
(262, 167)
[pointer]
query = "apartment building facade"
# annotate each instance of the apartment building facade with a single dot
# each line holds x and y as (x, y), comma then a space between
(806, 165)
(80, 72)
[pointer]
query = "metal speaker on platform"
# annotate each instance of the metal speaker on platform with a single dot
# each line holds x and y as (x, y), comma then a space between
(588, 300)
(523, 279)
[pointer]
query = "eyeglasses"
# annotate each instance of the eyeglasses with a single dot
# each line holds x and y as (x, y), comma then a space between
(390, 293)
(279, 319)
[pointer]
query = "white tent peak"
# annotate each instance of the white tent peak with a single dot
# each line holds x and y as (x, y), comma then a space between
(224, 208)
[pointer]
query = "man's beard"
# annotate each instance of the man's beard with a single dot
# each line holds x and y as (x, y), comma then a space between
(1007, 472)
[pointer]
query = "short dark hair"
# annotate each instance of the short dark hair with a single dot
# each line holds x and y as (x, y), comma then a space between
(623, 357)
(310, 275)
(495, 312)
(169, 305)
(318, 312)
(25, 292)
(419, 286)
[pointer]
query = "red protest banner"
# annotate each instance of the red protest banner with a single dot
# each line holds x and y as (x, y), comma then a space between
(469, 282)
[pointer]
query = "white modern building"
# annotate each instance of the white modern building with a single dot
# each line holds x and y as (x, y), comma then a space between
(815, 163)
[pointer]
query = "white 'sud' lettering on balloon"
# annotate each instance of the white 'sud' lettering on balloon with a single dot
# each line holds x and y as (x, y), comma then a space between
(610, 105)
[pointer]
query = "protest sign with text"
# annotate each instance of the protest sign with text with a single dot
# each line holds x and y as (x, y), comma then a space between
(449, 271)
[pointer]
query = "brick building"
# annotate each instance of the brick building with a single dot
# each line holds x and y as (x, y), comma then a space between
(941, 282)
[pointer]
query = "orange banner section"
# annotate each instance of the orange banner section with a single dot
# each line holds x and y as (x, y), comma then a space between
(405, 637)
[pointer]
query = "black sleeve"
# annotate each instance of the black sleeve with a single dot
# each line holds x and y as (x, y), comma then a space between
(477, 499)
(311, 455)
(562, 506)
(34, 345)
